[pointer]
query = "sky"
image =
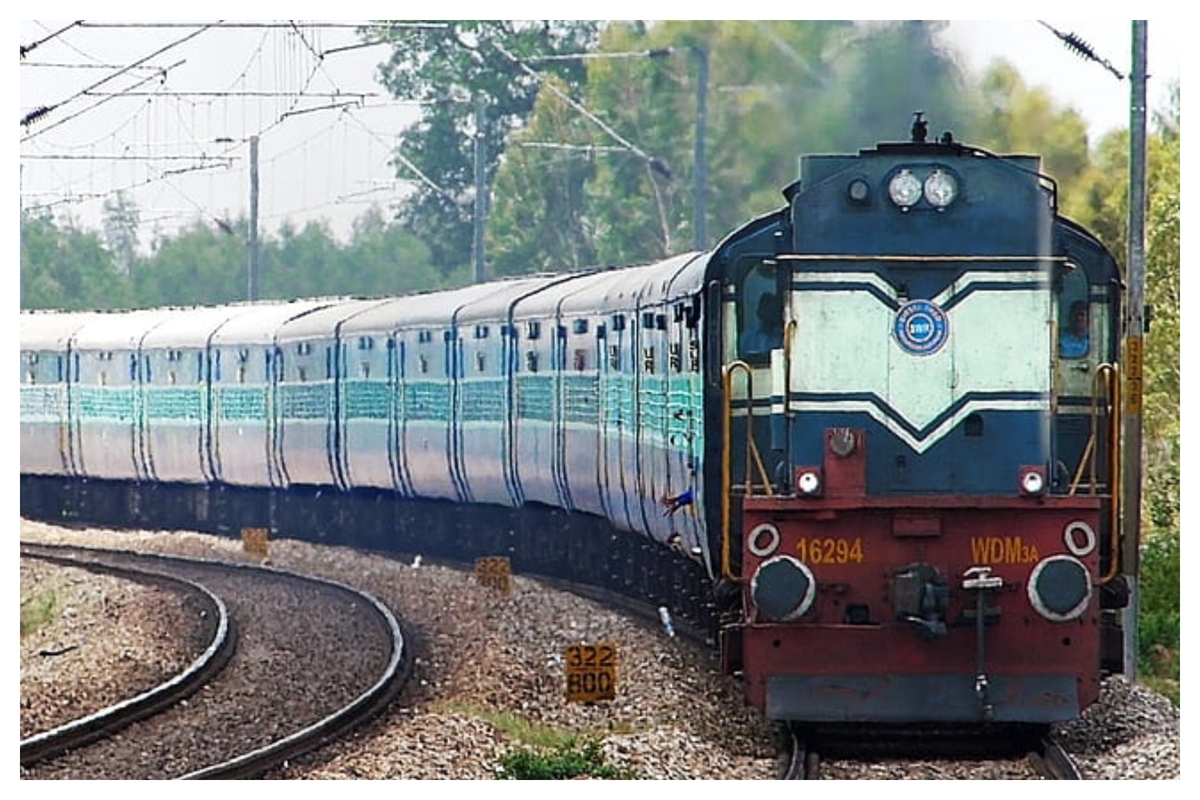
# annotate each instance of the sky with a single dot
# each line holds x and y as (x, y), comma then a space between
(176, 138)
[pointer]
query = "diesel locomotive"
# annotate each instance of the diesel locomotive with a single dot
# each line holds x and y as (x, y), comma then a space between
(869, 441)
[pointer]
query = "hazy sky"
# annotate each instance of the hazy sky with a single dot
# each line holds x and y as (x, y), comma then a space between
(329, 156)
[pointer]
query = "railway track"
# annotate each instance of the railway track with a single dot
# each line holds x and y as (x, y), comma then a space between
(1053, 762)
(423, 740)
(1043, 757)
(222, 638)
(313, 659)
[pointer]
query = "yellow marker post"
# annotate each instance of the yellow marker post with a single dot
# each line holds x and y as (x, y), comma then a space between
(254, 543)
(494, 572)
(591, 672)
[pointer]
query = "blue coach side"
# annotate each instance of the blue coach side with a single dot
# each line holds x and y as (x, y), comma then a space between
(310, 374)
(484, 405)
(108, 409)
(243, 432)
(46, 363)
(176, 394)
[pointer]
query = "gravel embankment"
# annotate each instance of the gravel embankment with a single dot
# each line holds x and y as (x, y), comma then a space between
(481, 654)
(112, 638)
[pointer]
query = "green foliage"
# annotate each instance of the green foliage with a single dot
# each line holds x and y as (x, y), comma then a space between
(121, 221)
(200, 266)
(1104, 208)
(36, 611)
(1159, 616)
(533, 226)
(542, 753)
(1011, 117)
(774, 90)
(456, 69)
(385, 259)
(64, 267)
(572, 758)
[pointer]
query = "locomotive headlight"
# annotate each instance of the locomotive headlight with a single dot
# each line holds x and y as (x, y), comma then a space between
(904, 189)
(808, 481)
(941, 189)
(1031, 480)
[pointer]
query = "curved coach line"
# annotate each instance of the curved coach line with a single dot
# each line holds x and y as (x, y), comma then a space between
(901, 511)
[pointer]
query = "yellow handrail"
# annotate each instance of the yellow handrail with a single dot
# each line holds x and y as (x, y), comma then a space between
(789, 332)
(1101, 390)
(1106, 387)
(726, 468)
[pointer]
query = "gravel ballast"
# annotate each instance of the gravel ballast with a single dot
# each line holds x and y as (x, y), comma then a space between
(483, 656)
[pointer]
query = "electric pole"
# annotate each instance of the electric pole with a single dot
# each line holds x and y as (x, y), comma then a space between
(252, 288)
(480, 189)
(1134, 329)
(700, 212)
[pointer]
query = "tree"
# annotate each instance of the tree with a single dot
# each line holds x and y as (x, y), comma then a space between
(775, 90)
(1011, 117)
(537, 224)
(199, 266)
(121, 220)
(454, 70)
(1104, 208)
(67, 268)
(304, 263)
(384, 259)
(1164, 295)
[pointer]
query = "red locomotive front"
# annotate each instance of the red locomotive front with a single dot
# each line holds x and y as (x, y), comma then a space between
(918, 465)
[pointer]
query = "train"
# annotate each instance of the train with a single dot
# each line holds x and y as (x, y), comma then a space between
(897, 503)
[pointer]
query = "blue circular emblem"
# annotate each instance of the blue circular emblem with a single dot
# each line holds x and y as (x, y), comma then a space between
(921, 327)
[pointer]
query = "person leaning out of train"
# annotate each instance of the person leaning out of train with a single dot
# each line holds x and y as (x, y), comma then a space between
(1073, 340)
(765, 332)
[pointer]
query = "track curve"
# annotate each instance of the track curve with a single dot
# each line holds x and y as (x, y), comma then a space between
(107, 721)
(314, 658)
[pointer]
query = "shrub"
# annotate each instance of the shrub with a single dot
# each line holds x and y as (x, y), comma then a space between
(569, 759)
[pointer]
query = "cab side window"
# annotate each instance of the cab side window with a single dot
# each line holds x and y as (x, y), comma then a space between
(1074, 329)
(761, 316)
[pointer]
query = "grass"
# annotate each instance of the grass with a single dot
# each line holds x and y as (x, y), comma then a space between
(1168, 687)
(36, 611)
(542, 752)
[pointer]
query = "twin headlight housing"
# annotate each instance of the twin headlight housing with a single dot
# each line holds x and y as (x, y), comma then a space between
(908, 186)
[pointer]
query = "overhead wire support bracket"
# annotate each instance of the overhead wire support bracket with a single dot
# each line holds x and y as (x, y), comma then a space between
(1082, 49)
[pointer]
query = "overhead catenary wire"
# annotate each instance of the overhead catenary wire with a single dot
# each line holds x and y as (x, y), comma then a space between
(42, 111)
(655, 164)
(298, 70)
(38, 113)
(26, 49)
